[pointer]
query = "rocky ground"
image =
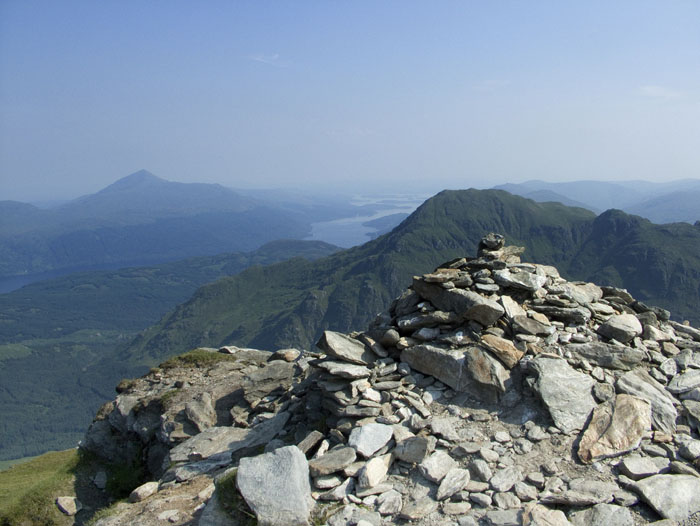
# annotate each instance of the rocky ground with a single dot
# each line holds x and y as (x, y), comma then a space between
(492, 392)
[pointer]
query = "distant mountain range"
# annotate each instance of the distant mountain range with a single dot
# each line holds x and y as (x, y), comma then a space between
(143, 219)
(668, 202)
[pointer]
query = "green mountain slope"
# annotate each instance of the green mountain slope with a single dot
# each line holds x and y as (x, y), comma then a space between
(291, 303)
(58, 339)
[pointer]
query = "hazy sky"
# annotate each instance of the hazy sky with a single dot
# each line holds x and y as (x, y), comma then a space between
(353, 94)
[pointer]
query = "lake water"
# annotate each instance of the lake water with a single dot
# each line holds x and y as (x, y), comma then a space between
(350, 231)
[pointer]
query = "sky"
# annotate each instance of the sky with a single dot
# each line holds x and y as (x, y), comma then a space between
(362, 96)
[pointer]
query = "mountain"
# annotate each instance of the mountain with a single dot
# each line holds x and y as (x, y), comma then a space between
(58, 338)
(140, 219)
(666, 202)
(683, 205)
(289, 304)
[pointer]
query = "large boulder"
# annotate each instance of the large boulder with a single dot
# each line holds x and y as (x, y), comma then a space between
(564, 391)
(276, 487)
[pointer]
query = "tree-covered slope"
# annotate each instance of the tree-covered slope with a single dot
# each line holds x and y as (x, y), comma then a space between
(58, 339)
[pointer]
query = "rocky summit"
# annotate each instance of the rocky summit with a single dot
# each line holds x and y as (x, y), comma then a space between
(492, 392)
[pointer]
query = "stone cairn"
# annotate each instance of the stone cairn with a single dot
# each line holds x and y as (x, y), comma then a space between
(491, 392)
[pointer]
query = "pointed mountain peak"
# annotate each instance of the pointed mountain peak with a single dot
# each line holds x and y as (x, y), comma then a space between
(136, 179)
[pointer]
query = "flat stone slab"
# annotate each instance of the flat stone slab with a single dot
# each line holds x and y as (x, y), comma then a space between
(640, 384)
(333, 461)
(465, 303)
(615, 428)
(607, 355)
(673, 497)
(276, 487)
(685, 382)
(467, 369)
(345, 370)
(345, 348)
(564, 391)
(227, 440)
(370, 438)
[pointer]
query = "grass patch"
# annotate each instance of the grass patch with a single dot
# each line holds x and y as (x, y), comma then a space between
(28, 490)
(198, 358)
(232, 501)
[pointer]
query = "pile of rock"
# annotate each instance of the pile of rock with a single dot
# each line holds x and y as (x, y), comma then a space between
(492, 392)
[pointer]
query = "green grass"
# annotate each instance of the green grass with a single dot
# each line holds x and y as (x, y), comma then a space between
(28, 490)
(197, 358)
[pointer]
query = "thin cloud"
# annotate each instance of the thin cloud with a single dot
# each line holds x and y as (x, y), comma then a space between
(660, 92)
(269, 59)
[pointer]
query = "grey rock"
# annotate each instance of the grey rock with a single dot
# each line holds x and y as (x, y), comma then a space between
(345, 370)
(672, 496)
(638, 383)
(622, 327)
(313, 438)
(352, 514)
(345, 348)
(340, 492)
(638, 467)
(525, 325)
(143, 491)
(607, 355)
(537, 515)
(525, 492)
(506, 501)
(565, 392)
(481, 499)
(370, 438)
(503, 518)
(575, 315)
(227, 440)
(467, 369)
(692, 409)
(687, 381)
(520, 279)
(200, 411)
(504, 479)
(615, 428)
(276, 487)
(603, 515)
(69, 505)
(445, 426)
(454, 481)
(415, 449)
(467, 304)
(332, 462)
(374, 471)
(480, 470)
(413, 510)
(389, 503)
(436, 466)
(584, 293)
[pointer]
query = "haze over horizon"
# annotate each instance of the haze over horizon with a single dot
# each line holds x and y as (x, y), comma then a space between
(346, 96)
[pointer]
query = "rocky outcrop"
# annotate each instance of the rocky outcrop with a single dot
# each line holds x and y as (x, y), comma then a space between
(491, 392)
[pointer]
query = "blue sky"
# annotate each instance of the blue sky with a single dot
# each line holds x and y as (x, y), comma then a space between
(349, 96)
